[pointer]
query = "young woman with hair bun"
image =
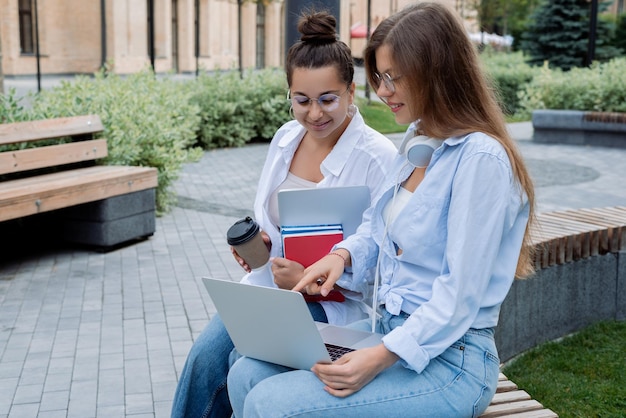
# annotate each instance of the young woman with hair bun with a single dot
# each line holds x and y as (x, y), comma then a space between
(327, 144)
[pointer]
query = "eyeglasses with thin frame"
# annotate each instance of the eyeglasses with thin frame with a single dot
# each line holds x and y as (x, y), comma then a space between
(327, 102)
(387, 79)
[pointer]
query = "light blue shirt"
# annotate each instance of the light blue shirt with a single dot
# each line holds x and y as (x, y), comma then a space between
(460, 234)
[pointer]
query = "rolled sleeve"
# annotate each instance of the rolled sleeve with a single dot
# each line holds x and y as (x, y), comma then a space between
(412, 355)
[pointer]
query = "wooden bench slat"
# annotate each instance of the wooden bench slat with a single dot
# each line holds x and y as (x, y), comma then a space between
(18, 132)
(52, 156)
(33, 195)
(536, 413)
(509, 396)
(506, 409)
(506, 386)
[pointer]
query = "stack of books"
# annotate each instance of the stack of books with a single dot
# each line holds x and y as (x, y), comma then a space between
(307, 244)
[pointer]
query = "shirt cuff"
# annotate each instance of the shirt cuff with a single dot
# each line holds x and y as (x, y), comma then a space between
(412, 355)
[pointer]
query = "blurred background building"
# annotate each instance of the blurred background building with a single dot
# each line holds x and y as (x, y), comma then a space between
(180, 36)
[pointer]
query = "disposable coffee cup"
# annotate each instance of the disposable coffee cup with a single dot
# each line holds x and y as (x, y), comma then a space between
(244, 235)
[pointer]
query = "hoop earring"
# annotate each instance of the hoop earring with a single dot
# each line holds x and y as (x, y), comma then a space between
(352, 110)
(291, 112)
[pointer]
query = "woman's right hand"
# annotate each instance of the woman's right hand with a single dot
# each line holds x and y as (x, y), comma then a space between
(320, 277)
(241, 261)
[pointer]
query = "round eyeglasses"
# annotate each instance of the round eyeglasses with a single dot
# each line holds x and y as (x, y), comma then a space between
(327, 102)
(387, 79)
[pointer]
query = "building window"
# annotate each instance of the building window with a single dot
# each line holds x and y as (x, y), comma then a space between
(27, 27)
(260, 35)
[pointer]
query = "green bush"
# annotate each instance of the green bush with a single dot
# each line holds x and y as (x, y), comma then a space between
(236, 110)
(147, 121)
(11, 109)
(601, 88)
(510, 74)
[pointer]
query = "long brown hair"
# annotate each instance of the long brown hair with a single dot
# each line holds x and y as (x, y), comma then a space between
(452, 96)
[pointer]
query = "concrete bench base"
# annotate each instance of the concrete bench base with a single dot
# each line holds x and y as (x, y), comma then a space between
(579, 128)
(110, 222)
(104, 225)
(560, 300)
(580, 279)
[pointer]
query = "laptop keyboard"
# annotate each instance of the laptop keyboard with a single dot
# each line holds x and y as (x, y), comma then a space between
(336, 351)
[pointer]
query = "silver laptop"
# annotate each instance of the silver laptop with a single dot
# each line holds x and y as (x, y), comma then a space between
(324, 206)
(275, 325)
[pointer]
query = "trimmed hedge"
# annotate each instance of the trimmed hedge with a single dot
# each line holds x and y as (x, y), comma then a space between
(599, 88)
(236, 110)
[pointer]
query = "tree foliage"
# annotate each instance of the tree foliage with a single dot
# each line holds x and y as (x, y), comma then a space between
(503, 17)
(619, 37)
(558, 33)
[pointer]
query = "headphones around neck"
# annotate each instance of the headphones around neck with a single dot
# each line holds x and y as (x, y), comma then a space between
(418, 148)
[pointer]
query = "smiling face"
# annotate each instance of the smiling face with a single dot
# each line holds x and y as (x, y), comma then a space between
(321, 121)
(396, 100)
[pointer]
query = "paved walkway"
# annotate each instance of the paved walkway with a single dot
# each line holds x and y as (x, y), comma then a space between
(85, 334)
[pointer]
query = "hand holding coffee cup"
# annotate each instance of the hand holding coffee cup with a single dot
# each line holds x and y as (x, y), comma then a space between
(246, 239)
(241, 261)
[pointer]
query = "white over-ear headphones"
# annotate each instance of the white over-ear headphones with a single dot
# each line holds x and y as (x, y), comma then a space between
(418, 148)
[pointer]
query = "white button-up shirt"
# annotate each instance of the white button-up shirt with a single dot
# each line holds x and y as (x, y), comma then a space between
(362, 156)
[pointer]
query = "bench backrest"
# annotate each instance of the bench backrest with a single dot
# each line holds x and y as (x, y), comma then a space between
(76, 127)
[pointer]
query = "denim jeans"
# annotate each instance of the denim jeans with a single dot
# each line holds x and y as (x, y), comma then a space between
(458, 383)
(201, 390)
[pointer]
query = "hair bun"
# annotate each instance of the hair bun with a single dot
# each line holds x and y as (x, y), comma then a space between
(318, 28)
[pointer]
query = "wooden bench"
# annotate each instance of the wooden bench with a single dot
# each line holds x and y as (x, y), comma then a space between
(569, 245)
(88, 203)
(571, 235)
(510, 401)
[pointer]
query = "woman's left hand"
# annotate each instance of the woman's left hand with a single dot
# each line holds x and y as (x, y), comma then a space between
(286, 273)
(354, 370)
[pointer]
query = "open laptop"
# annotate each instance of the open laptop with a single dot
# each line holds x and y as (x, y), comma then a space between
(275, 325)
(324, 206)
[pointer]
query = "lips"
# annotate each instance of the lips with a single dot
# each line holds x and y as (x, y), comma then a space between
(319, 126)
(395, 107)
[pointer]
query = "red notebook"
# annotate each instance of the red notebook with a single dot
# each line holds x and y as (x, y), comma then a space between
(307, 244)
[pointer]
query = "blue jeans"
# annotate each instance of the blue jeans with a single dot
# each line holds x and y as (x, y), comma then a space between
(458, 383)
(201, 390)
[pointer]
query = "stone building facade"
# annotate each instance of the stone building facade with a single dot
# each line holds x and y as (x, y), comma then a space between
(80, 36)
(181, 36)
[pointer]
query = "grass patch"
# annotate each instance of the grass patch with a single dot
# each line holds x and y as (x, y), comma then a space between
(579, 376)
(378, 116)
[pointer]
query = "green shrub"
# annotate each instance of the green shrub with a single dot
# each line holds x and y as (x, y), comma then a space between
(147, 121)
(601, 88)
(11, 109)
(510, 74)
(236, 110)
